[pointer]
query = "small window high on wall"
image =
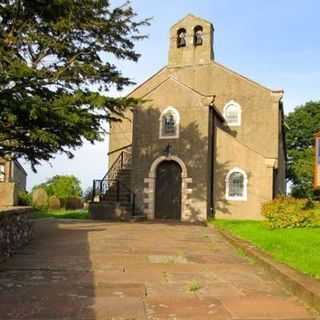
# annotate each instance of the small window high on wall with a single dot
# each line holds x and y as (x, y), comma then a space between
(169, 124)
(198, 36)
(181, 38)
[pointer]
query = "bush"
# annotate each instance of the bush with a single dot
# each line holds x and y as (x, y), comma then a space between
(62, 186)
(40, 199)
(54, 203)
(290, 213)
(24, 199)
(73, 203)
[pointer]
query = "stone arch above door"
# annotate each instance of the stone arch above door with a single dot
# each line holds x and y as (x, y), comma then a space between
(150, 185)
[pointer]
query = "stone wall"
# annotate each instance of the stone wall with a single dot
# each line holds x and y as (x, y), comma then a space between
(15, 230)
(14, 183)
(189, 150)
(8, 196)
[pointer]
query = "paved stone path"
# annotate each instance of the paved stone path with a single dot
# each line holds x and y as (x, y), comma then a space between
(96, 270)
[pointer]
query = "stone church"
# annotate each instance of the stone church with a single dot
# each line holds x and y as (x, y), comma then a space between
(206, 141)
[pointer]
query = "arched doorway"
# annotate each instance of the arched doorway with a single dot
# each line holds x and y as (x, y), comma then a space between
(168, 191)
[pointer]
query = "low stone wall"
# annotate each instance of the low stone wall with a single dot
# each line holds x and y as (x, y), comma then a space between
(15, 230)
(107, 211)
(300, 284)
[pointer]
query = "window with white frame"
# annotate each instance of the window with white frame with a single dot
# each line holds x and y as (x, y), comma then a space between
(2, 173)
(232, 113)
(169, 124)
(236, 185)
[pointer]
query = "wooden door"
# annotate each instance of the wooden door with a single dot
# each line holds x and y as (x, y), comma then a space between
(168, 191)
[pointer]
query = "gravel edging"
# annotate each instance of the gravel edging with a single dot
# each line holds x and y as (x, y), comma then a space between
(301, 285)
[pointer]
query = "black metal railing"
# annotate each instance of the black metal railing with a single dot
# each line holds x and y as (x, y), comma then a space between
(113, 190)
(111, 187)
(123, 161)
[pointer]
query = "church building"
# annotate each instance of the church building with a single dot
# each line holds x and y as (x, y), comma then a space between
(205, 142)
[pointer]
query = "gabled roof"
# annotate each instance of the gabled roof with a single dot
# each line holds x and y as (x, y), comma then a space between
(170, 77)
(211, 96)
(146, 81)
(190, 16)
(18, 164)
(279, 91)
(246, 78)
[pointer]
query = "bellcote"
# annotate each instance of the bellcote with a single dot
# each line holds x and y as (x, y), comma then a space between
(191, 42)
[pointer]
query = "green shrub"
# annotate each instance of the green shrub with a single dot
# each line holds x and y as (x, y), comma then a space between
(290, 213)
(54, 202)
(62, 186)
(40, 199)
(24, 199)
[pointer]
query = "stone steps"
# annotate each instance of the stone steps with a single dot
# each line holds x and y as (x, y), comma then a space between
(116, 206)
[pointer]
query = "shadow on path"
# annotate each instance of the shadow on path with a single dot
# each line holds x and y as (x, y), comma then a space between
(98, 270)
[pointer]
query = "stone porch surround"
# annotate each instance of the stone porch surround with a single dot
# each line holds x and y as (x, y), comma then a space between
(150, 182)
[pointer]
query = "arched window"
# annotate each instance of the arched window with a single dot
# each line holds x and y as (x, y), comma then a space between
(236, 185)
(181, 38)
(169, 124)
(232, 113)
(198, 36)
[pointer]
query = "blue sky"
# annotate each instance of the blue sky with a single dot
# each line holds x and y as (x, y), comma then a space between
(276, 43)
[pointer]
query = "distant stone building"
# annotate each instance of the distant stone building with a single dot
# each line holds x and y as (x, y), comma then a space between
(12, 181)
(206, 141)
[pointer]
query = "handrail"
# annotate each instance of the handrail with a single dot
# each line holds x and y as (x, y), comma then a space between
(112, 166)
(121, 160)
(119, 149)
(110, 179)
(116, 181)
(102, 186)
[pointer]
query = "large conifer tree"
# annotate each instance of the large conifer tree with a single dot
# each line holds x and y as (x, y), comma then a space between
(55, 60)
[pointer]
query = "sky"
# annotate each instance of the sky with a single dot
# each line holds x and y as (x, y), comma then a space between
(274, 42)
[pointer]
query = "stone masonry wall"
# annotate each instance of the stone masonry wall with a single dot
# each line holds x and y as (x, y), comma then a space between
(15, 230)
(7, 194)
(190, 150)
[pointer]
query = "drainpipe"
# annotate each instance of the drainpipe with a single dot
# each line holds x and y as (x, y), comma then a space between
(9, 179)
(211, 158)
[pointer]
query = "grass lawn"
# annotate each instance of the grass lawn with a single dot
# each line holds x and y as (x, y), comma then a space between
(298, 248)
(61, 214)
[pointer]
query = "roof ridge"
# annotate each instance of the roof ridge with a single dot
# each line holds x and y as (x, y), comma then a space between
(170, 77)
(246, 78)
(146, 80)
(193, 16)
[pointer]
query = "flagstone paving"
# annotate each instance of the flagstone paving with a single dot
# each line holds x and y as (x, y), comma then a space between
(96, 270)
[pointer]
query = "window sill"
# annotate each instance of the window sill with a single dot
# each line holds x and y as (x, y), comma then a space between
(169, 137)
(233, 124)
(236, 198)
